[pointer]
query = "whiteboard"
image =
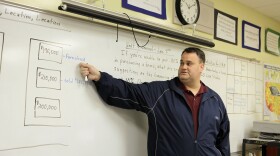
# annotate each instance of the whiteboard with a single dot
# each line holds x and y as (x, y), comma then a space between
(46, 107)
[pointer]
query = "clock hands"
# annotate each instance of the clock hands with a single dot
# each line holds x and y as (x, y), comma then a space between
(192, 5)
(188, 5)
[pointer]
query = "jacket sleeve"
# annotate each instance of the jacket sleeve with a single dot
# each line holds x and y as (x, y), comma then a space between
(222, 142)
(119, 93)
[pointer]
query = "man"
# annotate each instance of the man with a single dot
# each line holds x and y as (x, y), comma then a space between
(186, 118)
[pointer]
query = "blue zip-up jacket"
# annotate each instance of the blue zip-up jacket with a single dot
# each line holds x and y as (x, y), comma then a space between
(171, 128)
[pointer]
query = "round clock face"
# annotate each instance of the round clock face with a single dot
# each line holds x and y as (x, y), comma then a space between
(187, 11)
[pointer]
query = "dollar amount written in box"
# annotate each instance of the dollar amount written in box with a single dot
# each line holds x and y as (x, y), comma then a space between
(48, 78)
(48, 108)
(50, 52)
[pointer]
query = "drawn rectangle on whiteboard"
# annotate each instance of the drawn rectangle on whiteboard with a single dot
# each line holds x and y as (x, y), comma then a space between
(48, 78)
(238, 67)
(48, 108)
(230, 103)
(252, 103)
(50, 52)
(230, 84)
(251, 86)
(244, 69)
(252, 70)
(237, 85)
(244, 85)
(230, 66)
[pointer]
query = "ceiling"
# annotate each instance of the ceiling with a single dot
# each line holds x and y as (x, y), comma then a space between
(269, 8)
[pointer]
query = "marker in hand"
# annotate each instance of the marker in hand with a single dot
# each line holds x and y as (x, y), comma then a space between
(89, 72)
(86, 77)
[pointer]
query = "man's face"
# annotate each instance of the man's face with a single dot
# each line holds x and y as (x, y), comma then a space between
(190, 68)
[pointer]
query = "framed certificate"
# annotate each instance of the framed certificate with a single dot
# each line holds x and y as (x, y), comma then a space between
(156, 8)
(272, 41)
(225, 27)
(251, 36)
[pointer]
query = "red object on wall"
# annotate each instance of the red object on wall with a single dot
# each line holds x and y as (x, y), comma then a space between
(272, 151)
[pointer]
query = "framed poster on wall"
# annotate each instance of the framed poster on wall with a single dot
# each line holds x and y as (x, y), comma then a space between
(272, 41)
(156, 8)
(225, 27)
(251, 36)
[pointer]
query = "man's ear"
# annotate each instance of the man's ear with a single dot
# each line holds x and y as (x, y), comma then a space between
(202, 66)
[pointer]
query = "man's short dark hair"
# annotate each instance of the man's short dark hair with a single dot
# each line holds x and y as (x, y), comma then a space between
(198, 52)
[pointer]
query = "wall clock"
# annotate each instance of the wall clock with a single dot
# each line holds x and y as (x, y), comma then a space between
(187, 11)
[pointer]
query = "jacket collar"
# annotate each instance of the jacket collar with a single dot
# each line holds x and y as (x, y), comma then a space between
(175, 86)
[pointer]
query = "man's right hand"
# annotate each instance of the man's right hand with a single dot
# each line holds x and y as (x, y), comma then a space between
(90, 71)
